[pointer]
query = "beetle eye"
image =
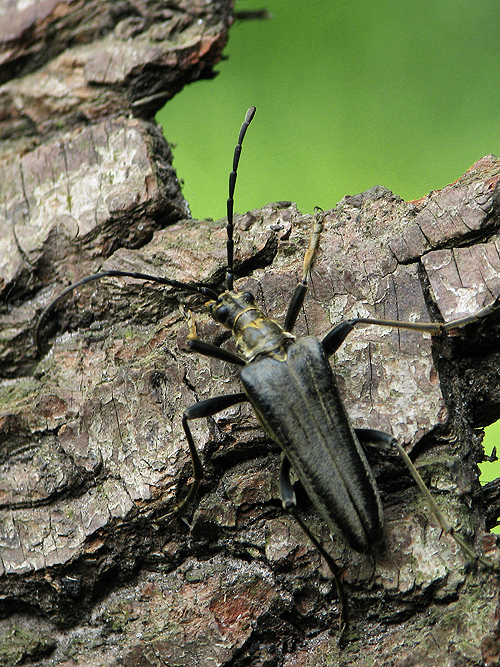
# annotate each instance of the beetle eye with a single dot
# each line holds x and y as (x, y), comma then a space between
(249, 298)
(221, 313)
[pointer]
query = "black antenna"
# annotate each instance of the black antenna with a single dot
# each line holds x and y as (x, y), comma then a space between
(230, 201)
(206, 291)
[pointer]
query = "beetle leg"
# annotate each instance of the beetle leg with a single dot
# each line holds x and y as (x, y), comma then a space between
(286, 487)
(290, 505)
(431, 327)
(207, 349)
(300, 291)
(207, 408)
(336, 336)
(382, 438)
(368, 438)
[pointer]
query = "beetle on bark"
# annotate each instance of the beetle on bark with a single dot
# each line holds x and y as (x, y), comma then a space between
(291, 387)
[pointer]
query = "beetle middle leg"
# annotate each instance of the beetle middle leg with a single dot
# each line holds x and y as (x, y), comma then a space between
(336, 336)
(332, 341)
(206, 408)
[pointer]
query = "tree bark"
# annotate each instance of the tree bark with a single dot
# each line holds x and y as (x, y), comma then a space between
(95, 569)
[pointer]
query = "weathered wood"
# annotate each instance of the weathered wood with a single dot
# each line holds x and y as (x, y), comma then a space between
(79, 61)
(103, 455)
(71, 202)
(93, 455)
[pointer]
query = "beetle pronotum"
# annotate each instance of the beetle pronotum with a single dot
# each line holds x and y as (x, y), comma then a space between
(290, 384)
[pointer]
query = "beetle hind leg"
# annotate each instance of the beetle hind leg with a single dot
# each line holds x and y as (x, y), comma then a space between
(385, 439)
(290, 506)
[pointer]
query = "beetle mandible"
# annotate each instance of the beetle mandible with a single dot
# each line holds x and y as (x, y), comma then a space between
(309, 421)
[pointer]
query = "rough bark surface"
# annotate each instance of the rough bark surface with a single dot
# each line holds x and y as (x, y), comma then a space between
(94, 569)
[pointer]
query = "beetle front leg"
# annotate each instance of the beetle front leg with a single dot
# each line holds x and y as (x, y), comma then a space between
(207, 408)
(301, 290)
(290, 506)
(208, 349)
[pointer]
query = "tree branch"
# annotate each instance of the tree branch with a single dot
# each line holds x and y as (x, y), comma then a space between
(93, 453)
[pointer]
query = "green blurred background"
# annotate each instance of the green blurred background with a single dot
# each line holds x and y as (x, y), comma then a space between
(349, 94)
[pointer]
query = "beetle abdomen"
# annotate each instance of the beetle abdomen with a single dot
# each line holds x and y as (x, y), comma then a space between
(298, 404)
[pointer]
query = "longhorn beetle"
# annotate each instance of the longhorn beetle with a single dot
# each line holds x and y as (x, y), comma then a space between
(292, 389)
